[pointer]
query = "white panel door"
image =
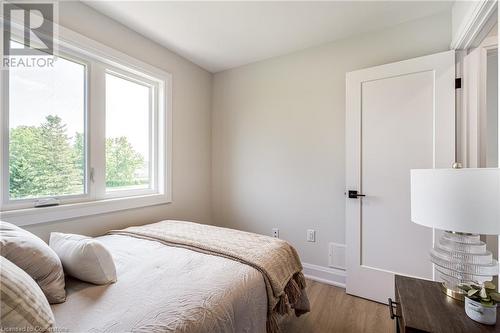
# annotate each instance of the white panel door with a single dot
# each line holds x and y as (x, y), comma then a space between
(399, 116)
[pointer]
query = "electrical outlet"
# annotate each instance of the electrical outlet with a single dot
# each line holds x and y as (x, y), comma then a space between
(311, 235)
(276, 233)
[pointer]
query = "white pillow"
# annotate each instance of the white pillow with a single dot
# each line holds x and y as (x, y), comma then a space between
(84, 258)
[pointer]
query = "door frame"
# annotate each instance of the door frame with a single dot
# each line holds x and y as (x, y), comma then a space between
(474, 28)
(474, 104)
(472, 33)
(444, 139)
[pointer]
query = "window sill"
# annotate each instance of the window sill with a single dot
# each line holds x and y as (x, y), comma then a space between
(32, 216)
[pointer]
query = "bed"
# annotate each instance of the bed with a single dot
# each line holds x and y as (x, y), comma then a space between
(163, 288)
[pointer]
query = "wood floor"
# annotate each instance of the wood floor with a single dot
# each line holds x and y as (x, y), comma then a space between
(332, 310)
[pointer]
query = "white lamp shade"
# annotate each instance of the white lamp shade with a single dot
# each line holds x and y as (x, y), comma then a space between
(460, 200)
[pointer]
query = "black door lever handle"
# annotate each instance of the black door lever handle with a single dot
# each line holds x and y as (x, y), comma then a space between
(354, 194)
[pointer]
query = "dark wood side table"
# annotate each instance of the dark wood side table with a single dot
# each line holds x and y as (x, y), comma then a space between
(421, 307)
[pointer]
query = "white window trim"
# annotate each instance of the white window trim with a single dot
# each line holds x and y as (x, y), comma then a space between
(99, 204)
(19, 204)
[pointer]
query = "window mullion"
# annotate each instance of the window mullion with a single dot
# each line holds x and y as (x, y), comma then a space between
(97, 139)
(157, 139)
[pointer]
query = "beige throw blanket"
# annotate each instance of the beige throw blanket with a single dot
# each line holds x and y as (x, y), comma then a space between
(274, 258)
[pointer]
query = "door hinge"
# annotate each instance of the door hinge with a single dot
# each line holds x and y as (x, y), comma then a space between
(92, 175)
(458, 83)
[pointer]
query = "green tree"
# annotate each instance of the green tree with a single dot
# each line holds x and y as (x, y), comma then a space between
(122, 161)
(45, 161)
(42, 161)
(23, 161)
(78, 147)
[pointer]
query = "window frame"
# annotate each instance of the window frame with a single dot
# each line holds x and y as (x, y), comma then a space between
(100, 60)
(153, 133)
(9, 204)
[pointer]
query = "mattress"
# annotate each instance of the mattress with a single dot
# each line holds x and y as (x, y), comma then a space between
(166, 289)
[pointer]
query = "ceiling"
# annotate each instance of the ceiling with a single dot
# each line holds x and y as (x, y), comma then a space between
(223, 35)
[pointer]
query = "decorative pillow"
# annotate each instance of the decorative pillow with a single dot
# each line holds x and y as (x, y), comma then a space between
(23, 306)
(36, 258)
(84, 258)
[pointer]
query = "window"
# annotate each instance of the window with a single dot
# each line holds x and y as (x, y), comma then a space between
(46, 131)
(91, 135)
(128, 133)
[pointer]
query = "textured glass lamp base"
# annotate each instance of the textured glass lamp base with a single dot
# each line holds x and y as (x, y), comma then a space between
(462, 259)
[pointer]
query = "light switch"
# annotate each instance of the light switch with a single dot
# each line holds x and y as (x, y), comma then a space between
(311, 235)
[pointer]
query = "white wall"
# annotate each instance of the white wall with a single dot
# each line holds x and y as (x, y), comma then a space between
(493, 120)
(492, 137)
(278, 134)
(191, 127)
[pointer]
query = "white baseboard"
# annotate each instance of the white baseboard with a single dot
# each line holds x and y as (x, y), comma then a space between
(332, 276)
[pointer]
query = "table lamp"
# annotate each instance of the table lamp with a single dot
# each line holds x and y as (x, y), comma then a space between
(465, 203)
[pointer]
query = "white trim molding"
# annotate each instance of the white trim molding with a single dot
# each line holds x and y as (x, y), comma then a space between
(332, 276)
(29, 216)
(475, 24)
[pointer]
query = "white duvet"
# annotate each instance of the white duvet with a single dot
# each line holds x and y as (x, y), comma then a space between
(166, 289)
